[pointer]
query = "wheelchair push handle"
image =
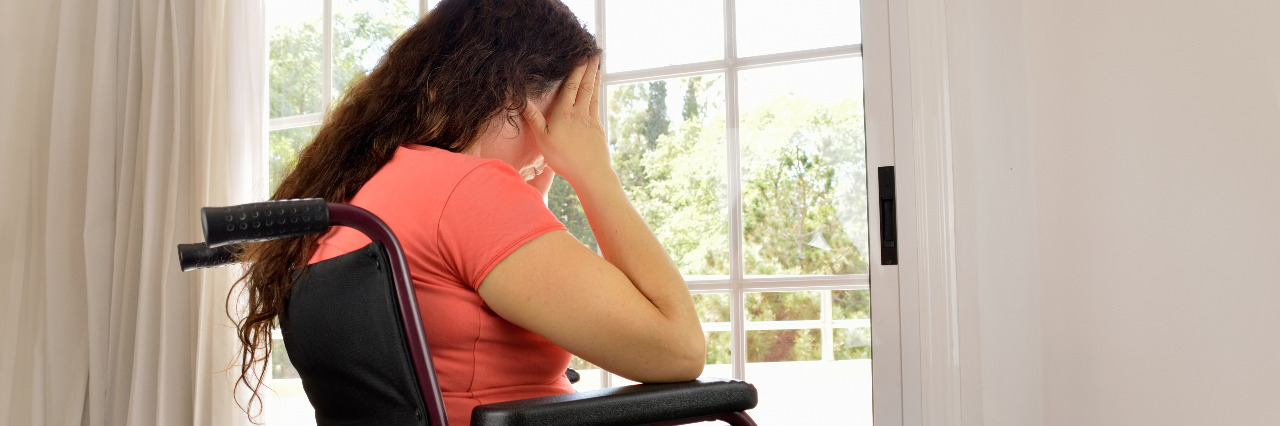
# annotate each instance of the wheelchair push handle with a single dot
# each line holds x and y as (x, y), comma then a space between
(199, 256)
(263, 221)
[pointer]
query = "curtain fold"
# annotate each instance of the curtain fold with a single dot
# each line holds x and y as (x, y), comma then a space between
(121, 118)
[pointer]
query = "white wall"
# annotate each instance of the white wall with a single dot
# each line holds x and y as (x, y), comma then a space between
(1118, 208)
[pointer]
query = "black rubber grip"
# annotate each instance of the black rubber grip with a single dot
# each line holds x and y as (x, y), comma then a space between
(264, 221)
(199, 255)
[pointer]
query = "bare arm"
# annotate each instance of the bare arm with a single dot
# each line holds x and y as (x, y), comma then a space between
(630, 312)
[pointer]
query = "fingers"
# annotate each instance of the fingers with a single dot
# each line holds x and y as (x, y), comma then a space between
(569, 90)
(595, 102)
(533, 118)
(587, 86)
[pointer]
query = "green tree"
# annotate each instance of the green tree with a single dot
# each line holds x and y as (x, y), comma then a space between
(564, 204)
(790, 218)
(656, 123)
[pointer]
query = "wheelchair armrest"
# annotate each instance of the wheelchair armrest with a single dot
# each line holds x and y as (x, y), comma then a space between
(636, 404)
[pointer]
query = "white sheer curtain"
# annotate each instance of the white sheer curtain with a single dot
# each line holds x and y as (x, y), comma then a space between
(118, 120)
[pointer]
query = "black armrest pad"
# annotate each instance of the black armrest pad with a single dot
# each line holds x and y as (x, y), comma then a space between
(627, 405)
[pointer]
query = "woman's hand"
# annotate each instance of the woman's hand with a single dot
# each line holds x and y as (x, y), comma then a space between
(542, 181)
(571, 137)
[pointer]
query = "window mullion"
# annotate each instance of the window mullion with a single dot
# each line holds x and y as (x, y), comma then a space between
(737, 310)
(828, 336)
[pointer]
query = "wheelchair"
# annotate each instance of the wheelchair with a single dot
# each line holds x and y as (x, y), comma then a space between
(354, 333)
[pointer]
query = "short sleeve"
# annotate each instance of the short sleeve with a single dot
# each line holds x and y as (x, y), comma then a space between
(490, 213)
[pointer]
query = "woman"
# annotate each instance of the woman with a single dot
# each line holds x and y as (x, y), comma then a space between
(452, 140)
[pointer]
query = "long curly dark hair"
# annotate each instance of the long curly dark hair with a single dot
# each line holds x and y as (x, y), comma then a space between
(460, 66)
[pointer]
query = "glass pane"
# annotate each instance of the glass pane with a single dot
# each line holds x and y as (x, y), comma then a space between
(281, 367)
(850, 304)
(718, 353)
(713, 311)
(804, 169)
(362, 32)
(653, 33)
(284, 146)
(766, 27)
(784, 345)
(718, 370)
(776, 343)
(287, 401)
(588, 374)
(804, 360)
(564, 204)
(295, 52)
(852, 343)
(668, 143)
(812, 392)
(586, 12)
(712, 307)
(784, 306)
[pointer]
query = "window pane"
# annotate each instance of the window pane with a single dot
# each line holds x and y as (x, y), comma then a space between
(362, 32)
(784, 345)
(718, 370)
(719, 350)
(801, 367)
(850, 304)
(712, 307)
(852, 343)
(804, 170)
(713, 311)
(668, 143)
(295, 56)
(585, 11)
(564, 204)
(588, 374)
(653, 33)
(812, 392)
(774, 345)
(281, 367)
(766, 27)
(284, 146)
(784, 306)
(287, 401)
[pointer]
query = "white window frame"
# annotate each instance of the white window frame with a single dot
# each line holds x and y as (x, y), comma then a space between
(881, 88)
(940, 381)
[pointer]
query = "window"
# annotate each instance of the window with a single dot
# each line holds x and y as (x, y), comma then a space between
(736, 127)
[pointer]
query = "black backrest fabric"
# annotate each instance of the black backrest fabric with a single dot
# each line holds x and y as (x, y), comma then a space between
(344, 336)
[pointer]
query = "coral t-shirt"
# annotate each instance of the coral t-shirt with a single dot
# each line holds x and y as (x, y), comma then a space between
(456, 217)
